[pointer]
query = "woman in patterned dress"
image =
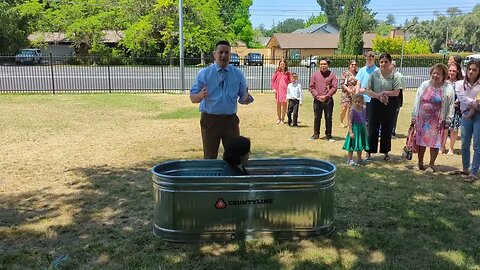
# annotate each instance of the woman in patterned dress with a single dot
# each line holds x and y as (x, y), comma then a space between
(348, 89)
(280, 80)
(432, 113)
(454, 74)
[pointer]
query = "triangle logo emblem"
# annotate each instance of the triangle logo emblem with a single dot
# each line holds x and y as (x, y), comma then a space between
(220, 204)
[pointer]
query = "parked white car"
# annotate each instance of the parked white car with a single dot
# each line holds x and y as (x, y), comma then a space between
(471, 57)
(310, 61)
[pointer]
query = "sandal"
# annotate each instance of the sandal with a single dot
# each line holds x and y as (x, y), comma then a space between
(471, 178)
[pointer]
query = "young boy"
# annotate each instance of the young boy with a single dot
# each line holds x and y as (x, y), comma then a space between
(295, 98)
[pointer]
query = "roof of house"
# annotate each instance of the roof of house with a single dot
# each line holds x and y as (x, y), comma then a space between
(317, 28)
(312, 41)
(110, 36)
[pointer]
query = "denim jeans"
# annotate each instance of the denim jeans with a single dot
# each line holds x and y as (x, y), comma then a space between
(471, 129)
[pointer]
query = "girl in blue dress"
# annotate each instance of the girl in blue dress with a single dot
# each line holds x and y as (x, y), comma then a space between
(356, 139)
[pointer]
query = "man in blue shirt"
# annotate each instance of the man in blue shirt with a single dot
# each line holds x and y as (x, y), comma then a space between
(217, 88)
(363, 75)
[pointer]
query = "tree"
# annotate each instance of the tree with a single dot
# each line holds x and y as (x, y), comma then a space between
(289, 25)
(316, 19)
(453, 11)
(390, 19)
(334, 8)
(13, 34)
(387, 44)
(351, 33)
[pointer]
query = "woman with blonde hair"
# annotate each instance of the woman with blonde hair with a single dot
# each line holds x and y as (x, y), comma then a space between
(280, 80)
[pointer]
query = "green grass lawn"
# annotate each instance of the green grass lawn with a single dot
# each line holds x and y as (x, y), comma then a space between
(76, 192)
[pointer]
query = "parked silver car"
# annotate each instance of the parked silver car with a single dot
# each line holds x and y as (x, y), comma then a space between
(29, 56)
(471, 57)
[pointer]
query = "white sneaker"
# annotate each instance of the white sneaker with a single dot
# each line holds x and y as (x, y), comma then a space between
(352, 163)
(331, 140)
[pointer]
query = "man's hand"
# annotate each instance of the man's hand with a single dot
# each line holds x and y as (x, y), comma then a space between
(246, 97)
(200, 95)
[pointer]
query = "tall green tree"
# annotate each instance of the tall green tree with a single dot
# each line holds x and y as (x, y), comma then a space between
(12, 31)
(351, 32)
(289, 25)
(335, 8)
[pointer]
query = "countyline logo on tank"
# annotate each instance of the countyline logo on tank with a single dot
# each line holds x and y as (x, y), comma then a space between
(221, 204)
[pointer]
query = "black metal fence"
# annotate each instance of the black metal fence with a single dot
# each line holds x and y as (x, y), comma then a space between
(88, 74)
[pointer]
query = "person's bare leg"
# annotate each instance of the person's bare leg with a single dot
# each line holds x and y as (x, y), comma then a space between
(342, 115)
(279, 112)
(284, 111)
(421, 154)
(453, 140)
(444, 142)
(433, 157)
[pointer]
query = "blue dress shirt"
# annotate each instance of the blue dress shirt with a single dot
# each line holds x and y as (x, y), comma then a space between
(363, 75)
(222, 94)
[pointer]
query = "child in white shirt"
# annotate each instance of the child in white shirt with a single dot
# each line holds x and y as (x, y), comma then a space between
(295, 98)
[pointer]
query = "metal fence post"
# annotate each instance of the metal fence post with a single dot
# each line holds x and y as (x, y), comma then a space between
(261, 91)
(109, 79)
(51, 71)
(163, 79)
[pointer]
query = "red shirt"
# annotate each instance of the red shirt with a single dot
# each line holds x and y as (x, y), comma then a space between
(323, 84)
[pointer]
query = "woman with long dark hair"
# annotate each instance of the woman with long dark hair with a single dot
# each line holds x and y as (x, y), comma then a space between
(280, 80)
(454, 74)
(467, 91)
(383, 87)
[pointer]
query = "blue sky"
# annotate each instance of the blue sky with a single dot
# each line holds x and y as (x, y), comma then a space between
(269, 12)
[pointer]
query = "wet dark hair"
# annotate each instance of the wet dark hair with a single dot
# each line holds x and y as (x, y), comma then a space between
(472, 62)
(385, 55)
(235, 149)
(222, 42)
(459, 71)
(326, 60)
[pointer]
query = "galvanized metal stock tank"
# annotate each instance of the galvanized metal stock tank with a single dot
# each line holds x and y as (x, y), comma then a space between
(280, 199)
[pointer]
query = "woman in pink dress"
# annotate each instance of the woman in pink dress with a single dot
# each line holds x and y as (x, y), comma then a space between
(280, 80)
(432, 114)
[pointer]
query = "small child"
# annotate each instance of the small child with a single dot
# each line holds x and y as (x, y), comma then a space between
(236, 154)
(356, 139)
(295, 98)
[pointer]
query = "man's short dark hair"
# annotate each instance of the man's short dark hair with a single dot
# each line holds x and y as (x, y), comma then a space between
(222, 42)
(326, 59)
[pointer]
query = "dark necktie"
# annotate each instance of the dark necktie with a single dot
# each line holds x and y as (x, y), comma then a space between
(223, 75)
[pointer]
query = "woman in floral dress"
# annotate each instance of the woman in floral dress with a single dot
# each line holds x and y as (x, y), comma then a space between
(280, 80)
(348, 89)
(432, 114)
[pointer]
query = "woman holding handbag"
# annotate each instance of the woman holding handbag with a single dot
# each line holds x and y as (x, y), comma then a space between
(432, 113)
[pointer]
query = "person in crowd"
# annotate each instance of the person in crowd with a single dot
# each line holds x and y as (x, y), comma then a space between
(356, 139)
(295, 99)
(362, 78)
(349, 83)
(383, 87)
(454, 74)
(280, 80)
(236, 155)
(399, 97)
(432, 113)
(455, 58)
(323, 85)
(467, 92)
(217, 88)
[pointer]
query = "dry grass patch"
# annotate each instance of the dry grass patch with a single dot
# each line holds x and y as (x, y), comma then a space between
(75, 180)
